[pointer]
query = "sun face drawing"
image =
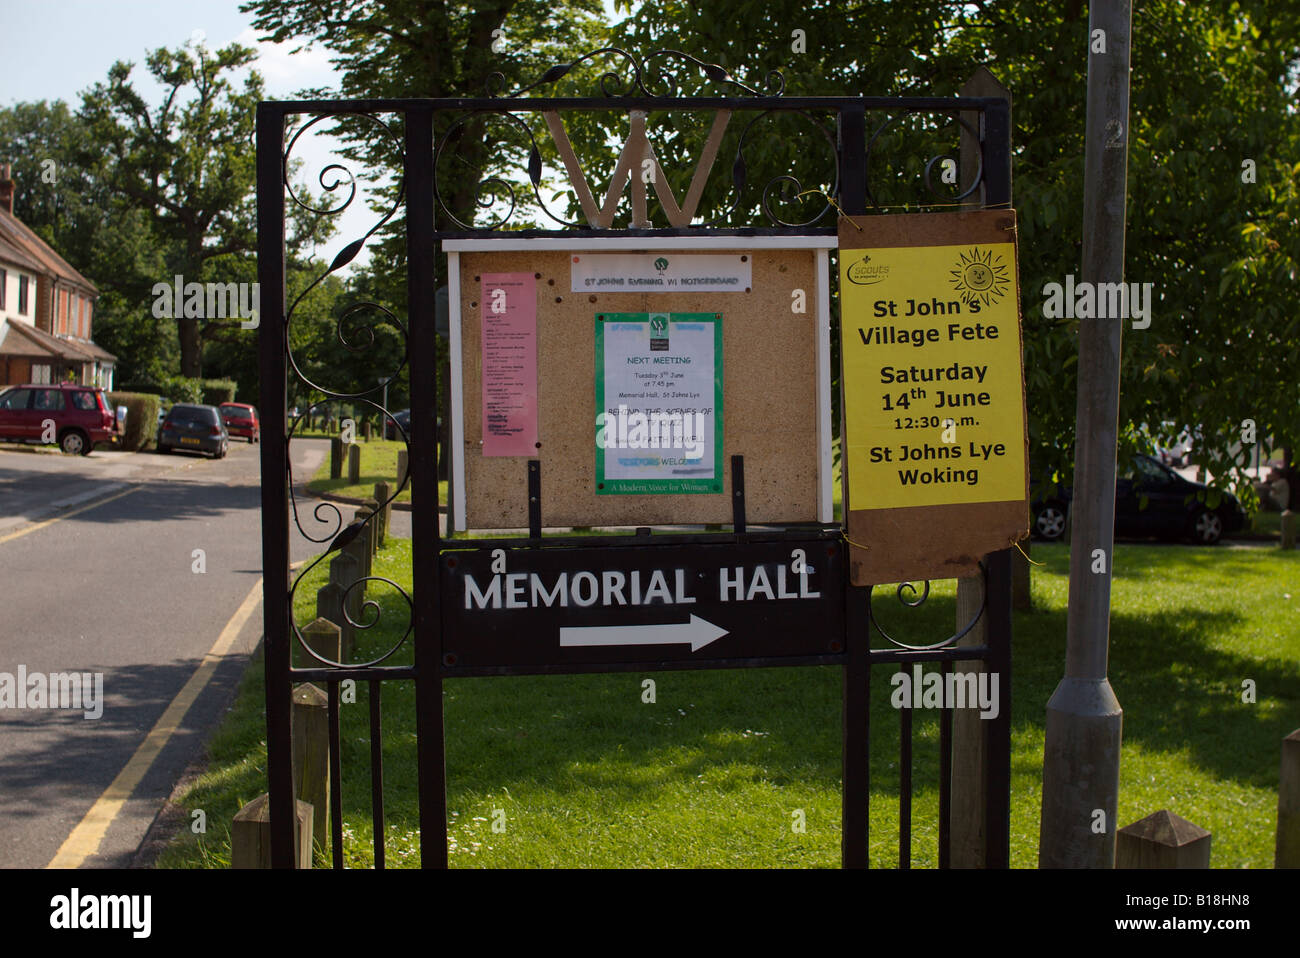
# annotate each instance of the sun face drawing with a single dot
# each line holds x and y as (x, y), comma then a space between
(980, 276)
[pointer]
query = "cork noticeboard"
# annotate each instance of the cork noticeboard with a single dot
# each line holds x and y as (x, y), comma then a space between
(776, 409)
(936, 449)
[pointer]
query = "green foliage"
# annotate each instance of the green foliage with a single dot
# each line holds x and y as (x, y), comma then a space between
(141, 418)
(1212, 85)
(217, 391)
(172, 388)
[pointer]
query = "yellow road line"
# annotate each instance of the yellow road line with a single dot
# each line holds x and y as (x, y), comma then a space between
(85, 839)
(67, 515)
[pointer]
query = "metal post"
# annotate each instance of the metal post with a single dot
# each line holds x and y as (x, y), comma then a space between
(421, 256)
(856, 744)
(1084, 720)
(274, 400)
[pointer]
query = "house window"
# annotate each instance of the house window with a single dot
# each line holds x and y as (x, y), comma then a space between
(41, 372)
(22, 295)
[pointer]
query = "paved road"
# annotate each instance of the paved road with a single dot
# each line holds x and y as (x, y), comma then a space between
(112, 589)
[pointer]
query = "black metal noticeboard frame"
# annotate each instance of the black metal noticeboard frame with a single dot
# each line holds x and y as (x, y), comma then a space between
(524, 617)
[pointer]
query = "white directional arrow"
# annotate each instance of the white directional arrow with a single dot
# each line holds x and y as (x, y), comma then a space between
(698, 632)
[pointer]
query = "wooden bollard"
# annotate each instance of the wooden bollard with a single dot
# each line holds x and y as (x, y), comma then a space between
(344, 570)
(366, 430)
(1288, 805)
(354, 464)
(1021, 598)
(382, 492)
(372, 526)
(311, 755)
(336, 457)
(1162, 840)
(322, 637)
(1288, 529)
(403, 465)
(358, 549)
(329, 605)
(250, 835)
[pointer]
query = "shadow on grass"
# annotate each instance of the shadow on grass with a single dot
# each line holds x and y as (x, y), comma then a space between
(572, 736)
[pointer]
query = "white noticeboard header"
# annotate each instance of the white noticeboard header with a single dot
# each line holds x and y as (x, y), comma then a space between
(661, 272)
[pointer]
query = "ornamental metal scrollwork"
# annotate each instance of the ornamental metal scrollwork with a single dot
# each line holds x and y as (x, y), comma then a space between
(642, 80)
(356, 335)
(913, 603)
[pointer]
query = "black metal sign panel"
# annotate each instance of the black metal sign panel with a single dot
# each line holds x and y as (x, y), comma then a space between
(668, 606)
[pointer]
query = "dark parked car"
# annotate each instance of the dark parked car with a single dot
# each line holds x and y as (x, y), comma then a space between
(81, 415)
(1150, 500)
(194, 427)
(404, 420)
(241, 420)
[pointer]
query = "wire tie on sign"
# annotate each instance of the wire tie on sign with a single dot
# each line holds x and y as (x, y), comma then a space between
(831, 200)
(1016, 543)
(856, 545)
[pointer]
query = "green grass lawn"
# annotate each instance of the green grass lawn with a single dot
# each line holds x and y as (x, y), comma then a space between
(711, 773)
(378, 464)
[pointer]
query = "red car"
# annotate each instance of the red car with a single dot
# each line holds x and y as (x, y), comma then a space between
(81, 416)
(241, 420)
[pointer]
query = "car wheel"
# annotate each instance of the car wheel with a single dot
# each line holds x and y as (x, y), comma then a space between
(74, 443)
(1049, 523)
(164, 449)
(1207, 527)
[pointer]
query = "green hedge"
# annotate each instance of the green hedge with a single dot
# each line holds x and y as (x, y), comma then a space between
(217, 391)
(172, 388)
(141, 418)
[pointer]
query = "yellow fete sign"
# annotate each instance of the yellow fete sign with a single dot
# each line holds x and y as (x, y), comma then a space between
(934, 397)
(933, 385)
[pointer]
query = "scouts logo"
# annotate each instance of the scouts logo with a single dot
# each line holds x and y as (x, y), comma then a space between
(866, 273)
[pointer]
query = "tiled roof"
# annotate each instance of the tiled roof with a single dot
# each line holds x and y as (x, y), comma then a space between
(11, 254)
(16, 235)
(31, 341)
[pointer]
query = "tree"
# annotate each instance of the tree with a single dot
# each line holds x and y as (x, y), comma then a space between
(1213, 85)
(187, 165)
(62, 199)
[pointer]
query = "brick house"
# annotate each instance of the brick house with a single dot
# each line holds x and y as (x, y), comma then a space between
(46, 308)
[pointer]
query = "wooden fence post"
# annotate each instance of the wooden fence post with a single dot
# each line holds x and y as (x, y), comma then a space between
(354, 464)
(373, 526)
(311, 754)
(342, 572)
(403, 464)
(968, 831)
(322, 637)
(250, 835)
(1288, 805)
(1021, 597)
(1288, 529)
(336, 457)
(1162, 840)
(382, 492)
(329, 605)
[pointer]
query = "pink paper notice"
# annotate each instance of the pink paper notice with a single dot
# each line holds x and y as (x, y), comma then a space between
(509, 303)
